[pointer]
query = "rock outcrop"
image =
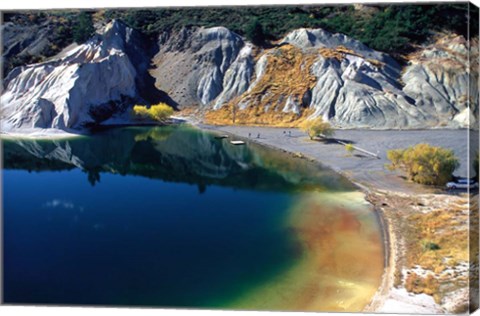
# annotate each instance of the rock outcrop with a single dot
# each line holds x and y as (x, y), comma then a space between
(309, 73)
(331, 76)
(27, 39)
(441, 83)
(191, 64)
(90, 83)
(314, 73)
(21, 41)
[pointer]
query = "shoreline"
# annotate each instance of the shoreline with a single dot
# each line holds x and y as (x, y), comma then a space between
(390, 297)
(387, 233)
(383, 190)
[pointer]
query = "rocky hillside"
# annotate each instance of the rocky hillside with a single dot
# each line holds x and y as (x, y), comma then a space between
(87, 84)
(225, 79)
(440, 81)
(29, 38)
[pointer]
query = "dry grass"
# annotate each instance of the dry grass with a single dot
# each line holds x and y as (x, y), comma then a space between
(287, 74)
(376, 63)
(332, 53)
(432, 242)
(445, 228)
(428, 285)
(255, 116)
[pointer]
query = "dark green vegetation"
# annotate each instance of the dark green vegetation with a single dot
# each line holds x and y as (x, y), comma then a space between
(57, 28)
(394, 29)
(59, 35)
(83, 29)
(254, 32)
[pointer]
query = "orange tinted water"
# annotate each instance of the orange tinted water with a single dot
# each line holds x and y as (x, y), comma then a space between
(342, 258)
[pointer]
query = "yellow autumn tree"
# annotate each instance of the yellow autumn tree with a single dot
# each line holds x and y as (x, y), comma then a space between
(317, 127)
(424, 163)
(140, 112)
(349, 148)
(159, 112)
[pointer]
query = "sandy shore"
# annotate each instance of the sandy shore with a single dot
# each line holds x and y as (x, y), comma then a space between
(403, 207)
(379, 185)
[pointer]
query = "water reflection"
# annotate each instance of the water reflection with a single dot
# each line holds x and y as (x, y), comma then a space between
(261, 229)
(175, 154)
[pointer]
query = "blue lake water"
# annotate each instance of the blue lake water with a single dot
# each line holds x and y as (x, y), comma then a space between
(154, 216)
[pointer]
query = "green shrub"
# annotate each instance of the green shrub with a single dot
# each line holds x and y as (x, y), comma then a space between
(254, 33)
(83, 29)
(428, 245)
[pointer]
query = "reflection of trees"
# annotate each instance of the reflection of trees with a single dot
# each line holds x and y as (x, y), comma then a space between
(93, 176)
(174, 154)
(155, 134)
(202, 187)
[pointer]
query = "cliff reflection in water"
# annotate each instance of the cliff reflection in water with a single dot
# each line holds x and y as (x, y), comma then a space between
(174, 154)
(263, 231)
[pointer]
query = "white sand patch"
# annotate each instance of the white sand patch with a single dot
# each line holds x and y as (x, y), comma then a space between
(401, 301)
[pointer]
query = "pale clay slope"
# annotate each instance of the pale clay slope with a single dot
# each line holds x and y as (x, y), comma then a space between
(191, 64)
(60, 93)
(209, 67)
(439, 81)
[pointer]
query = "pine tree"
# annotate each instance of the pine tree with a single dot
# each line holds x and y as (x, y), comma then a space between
(83, 29)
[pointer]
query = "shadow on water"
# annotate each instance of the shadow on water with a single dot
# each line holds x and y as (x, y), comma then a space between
(174, 154)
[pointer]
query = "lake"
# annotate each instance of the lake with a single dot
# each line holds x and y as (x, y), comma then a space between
(174, 217)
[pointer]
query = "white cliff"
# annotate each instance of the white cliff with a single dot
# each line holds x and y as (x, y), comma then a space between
(65, 93)
(441, 83)
(309, 73)
(358, 87)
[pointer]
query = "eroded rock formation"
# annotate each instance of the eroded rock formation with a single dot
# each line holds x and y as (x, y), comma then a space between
(308, 73)
(90, 83)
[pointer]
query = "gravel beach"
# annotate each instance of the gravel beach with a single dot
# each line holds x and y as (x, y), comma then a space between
(362, 169)
(394, 198)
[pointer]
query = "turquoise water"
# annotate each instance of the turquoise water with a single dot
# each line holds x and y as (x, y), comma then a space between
(154, 216)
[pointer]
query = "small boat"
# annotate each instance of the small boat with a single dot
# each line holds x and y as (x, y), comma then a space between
(221, 136)
(237, 142)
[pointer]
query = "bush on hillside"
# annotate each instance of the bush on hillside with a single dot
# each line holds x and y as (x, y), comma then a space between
(349, 148)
